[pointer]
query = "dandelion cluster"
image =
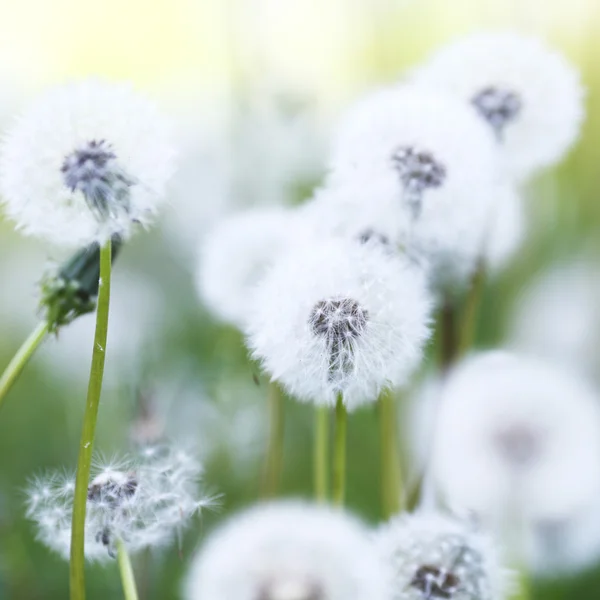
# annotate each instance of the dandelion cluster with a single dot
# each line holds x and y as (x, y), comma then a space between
(143, 501)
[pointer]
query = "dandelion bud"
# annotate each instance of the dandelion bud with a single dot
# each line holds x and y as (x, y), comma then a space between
(336, 317)
(86, 161)
(288, 551)
(528, 94)
(71, 291)
(433, 557)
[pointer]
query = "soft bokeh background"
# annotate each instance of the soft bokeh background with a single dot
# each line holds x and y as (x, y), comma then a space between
(254, 86)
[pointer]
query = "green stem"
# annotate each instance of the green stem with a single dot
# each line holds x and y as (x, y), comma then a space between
(471, 310)
(126, 570)
(321, 441)
(339, 452)
(77, 566)
(273, 462)
(20, 359)
(391, 474)
(449, 342)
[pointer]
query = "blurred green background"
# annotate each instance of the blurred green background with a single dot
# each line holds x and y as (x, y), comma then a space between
(206, 62)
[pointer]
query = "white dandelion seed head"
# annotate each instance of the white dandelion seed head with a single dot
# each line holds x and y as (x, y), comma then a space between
(288, 551)
(434, 557)
(235, 256)
(85, 161)
(507, 228)
(338, 317)
(559, 547)
(516, 435)
(557, 316)
(529, 94)
(428, 158)
(145, 501)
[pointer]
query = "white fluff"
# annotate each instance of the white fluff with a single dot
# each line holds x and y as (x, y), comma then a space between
(557, 316)
(235, 256)
(517, 435)
(443, 214)
(61, 125)
(435, 556)
(547, 88)
(337, 317)
(287, 551)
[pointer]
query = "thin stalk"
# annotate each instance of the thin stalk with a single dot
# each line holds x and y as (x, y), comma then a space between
(126, 570)
(77, 566)
(20, 359)
(339, 452)
(321, 441)
(471, 311)
(391, 472)
(274, 458)
(449, 340)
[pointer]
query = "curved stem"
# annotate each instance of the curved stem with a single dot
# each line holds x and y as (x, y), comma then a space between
(77, 566)
(339, 453)
(20, 359)
(126, 570)
(272, 468)
(391, 472)
(321, 441)
(471, 310)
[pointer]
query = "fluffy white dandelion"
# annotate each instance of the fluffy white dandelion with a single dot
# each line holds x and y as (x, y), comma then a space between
(516, 437)
(337, 317)
(558, 316)
(433, 556)
(427, 160)
(144, 502)
(288, 551)
(529, 94)
(85, 161)
(236, 255)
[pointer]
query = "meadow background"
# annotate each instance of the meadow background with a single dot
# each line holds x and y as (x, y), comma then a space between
(210, 64)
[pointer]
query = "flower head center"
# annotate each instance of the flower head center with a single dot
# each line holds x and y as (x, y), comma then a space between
(419, 170)
(435, 582)
(370, 236)
(518, 444)
(93, 170)
(338, 320)
(112, 489)
(498, 106)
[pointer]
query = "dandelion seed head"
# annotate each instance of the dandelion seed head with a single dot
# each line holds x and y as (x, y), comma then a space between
(144, 501)
(84, 162)
(529, 442)
(528, 94)
(334, 316)
(434, 557)
(424, 164)
(288, 551)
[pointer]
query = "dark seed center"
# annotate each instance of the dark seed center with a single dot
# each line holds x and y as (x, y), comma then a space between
(498, 106)
(435, 582)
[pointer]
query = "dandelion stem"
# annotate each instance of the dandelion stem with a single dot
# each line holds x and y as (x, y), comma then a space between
(127, 578)
(391, 473)
(471, 310)
(448, 335)
(77, 566)
(339, 452)
(321, 441)
(20, 359)
(273, 462)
